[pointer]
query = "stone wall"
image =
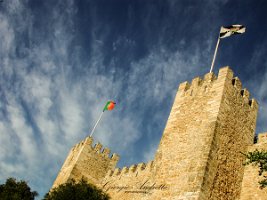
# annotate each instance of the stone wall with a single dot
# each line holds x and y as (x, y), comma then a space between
(211, 121)
(84, 160)
(250, 187)
(135, 182)
(235, 129)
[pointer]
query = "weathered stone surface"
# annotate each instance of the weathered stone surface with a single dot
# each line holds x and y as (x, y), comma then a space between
(91, 163)
(250, 186)
(198, 158)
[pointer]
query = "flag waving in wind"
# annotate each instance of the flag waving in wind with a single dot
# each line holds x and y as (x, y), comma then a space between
(226, 32)
(231, 30)
(109, 105)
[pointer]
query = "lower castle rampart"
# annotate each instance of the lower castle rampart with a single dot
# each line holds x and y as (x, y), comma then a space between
(86, 161)
(137, 180)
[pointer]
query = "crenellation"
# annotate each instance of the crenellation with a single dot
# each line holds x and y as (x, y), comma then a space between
(125, 170)
(88, 141)
(74, 147)
(117, 171)
(115, 157)
(253, 104)
(110, 172)
(196, 82)
(183, 87)
(81, 143)
(106, 152)
(209, 77)
(77, 147)
(133, 168)
(97, 148)
(141, 166)
(225, 73)
(237, 83)
(245, 94)
(200, 86)
(86, 161)
(149, 165)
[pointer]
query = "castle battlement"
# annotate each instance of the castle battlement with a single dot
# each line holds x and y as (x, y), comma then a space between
(200, 86)
(139, 168)
(84, 156)
(98, 148)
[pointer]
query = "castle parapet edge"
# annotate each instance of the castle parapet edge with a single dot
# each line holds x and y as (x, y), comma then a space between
(135, 168)
(200, 86)
(212, 120)
(86, 161)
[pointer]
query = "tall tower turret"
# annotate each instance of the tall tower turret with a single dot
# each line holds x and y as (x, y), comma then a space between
(211, 122)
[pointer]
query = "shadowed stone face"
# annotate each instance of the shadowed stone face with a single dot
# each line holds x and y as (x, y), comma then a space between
(250, 185)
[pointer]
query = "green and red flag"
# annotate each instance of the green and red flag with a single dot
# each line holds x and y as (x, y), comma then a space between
(109, 105)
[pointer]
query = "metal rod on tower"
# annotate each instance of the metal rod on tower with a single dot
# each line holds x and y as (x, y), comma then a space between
(92, 132)
(109, 106)
(215, 53)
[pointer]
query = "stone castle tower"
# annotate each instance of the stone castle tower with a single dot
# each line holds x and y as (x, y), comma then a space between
(212, 120)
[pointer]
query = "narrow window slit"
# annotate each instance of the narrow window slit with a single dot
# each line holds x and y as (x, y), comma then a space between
(242, 92)
(233, 81)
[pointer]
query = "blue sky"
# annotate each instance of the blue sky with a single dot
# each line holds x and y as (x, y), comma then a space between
(60, 61)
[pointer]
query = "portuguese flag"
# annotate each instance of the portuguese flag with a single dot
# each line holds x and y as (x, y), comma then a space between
(109, 105)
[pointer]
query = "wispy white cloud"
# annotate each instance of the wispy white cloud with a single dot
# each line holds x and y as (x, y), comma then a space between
(56, 113)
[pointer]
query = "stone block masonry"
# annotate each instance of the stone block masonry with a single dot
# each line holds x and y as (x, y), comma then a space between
(84, 160)
(212, 120)
(250, 186)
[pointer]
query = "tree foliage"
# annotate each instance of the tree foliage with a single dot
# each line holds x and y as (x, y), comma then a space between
(259, 158)
(16, 190)
(76, 191)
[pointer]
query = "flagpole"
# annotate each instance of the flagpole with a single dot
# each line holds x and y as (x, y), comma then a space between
(215, 53)
(96, 124)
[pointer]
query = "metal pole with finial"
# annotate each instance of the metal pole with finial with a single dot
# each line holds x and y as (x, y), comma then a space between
(215, 53)
(92, 132)
(109, 106)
